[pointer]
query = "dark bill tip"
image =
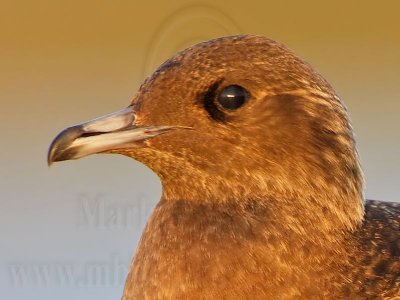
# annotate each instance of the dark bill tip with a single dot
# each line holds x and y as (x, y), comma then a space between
(58, 147)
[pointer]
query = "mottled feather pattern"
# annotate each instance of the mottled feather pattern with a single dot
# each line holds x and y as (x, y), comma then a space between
(379, 252)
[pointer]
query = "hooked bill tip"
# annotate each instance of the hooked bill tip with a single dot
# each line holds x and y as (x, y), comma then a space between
(61, 142)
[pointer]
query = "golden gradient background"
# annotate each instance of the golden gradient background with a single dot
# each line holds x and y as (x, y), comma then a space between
(63, 62)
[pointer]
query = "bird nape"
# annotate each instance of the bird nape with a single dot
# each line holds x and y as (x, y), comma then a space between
(262, 191)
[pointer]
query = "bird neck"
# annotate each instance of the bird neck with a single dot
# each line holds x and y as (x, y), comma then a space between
(325, 207)
(245, 241)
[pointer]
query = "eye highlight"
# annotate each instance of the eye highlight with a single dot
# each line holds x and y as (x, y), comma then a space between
(232, 97)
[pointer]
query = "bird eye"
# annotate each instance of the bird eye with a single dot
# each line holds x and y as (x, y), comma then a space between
(232, 97)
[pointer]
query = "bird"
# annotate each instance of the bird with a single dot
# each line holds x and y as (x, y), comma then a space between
(262, 188)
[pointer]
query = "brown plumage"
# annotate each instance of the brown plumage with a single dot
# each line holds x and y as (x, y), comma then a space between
(262, 188)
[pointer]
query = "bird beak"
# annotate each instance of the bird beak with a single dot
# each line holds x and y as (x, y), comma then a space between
(114, 131)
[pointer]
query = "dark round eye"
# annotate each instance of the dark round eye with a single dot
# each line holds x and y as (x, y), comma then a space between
(232, 97)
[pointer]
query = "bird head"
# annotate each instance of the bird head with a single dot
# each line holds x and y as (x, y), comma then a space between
(231, 118)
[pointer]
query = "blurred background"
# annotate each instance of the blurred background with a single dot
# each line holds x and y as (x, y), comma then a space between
(69, 232)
